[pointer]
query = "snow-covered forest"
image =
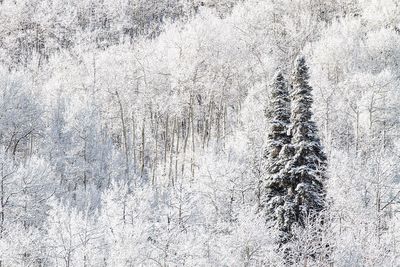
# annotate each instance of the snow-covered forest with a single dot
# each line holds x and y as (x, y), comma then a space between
(199, 133)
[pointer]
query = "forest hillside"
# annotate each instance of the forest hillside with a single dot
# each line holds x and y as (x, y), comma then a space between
(199, 133)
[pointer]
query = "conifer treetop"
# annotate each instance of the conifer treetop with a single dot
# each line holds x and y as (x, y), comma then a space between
(308, 163)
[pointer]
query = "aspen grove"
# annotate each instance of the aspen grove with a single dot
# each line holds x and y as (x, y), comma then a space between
(199, 133)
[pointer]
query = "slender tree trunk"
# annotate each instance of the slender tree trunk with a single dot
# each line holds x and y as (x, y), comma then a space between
(134, 142)
(210, 122)
(357, 131)
(84, 170)
(2, 203)
(378, 201)
(125, 137)
(31, 146)
(170, 178)
(143, 147)
(204, 137)
(166, 143)
(224, 124)
(217, 124)
(156, 155)
(193, 141)
(177, 150)
(185, 145)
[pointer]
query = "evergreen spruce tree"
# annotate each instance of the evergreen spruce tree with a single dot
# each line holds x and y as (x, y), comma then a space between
(275, 182)
(307, 165)
(295, 163)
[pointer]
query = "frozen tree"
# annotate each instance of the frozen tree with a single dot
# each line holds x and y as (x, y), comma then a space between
(73, 238)
(308, 165)
(310, 243)
(20, 114)
(130, 133)
(279, 116)
(24, 190)
(276, 179)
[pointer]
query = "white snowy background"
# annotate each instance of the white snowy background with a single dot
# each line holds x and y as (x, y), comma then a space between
(132, 132)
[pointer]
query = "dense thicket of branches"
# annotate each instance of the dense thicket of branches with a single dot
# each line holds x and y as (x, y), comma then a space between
(132, 132)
